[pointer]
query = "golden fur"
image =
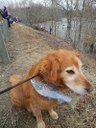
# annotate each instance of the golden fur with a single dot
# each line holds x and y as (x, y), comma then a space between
(53, 68)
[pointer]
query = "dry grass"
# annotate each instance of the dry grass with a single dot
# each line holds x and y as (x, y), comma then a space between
(25, 47)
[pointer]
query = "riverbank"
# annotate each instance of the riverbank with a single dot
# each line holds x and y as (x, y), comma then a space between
(83, 40)
(27, 46)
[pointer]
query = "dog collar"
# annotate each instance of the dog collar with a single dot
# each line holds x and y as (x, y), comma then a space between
(50, 92)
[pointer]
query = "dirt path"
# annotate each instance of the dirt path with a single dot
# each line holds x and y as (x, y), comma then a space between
(25, 47)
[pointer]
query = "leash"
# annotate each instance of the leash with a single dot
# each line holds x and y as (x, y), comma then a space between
(20, 83)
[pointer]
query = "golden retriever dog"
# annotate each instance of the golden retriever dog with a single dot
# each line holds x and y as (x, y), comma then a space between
(62, 68)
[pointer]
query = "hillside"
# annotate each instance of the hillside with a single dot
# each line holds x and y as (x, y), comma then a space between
(25, 47)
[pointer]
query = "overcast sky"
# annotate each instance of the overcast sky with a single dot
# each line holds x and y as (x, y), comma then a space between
(35, 1)
(6, 2)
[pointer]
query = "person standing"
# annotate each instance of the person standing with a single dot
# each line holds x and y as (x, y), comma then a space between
(50, 30)
(6, 16)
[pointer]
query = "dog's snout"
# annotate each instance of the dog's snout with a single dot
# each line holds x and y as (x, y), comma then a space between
(89, 89)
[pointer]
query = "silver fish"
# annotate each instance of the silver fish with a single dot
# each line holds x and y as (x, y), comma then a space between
(50, 92)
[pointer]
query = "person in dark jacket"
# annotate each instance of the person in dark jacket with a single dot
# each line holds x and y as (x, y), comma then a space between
(50, 30)
(6, 16)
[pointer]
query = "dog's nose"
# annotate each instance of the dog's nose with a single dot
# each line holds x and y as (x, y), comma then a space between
(89, 89)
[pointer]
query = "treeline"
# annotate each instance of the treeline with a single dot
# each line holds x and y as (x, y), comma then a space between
(80, 16)
(36, 13)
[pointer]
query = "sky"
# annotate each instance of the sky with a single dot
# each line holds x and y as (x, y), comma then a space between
(6, 2)
(18, 0)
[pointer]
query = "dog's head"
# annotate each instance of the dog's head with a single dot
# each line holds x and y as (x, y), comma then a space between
(64, 68)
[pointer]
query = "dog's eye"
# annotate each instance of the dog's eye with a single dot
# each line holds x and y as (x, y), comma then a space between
(70, 71)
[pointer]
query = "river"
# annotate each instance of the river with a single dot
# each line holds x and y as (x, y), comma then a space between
(60, 29)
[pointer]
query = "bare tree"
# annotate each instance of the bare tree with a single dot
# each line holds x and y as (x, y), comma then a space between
(79, 14)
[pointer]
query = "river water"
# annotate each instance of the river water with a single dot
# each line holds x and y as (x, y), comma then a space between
(60, 29)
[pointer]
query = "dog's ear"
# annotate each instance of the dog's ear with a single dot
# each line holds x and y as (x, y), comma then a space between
(45, 67)
(55, 67)
(49, 69)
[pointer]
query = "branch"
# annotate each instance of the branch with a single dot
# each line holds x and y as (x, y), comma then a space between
(62, 7)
